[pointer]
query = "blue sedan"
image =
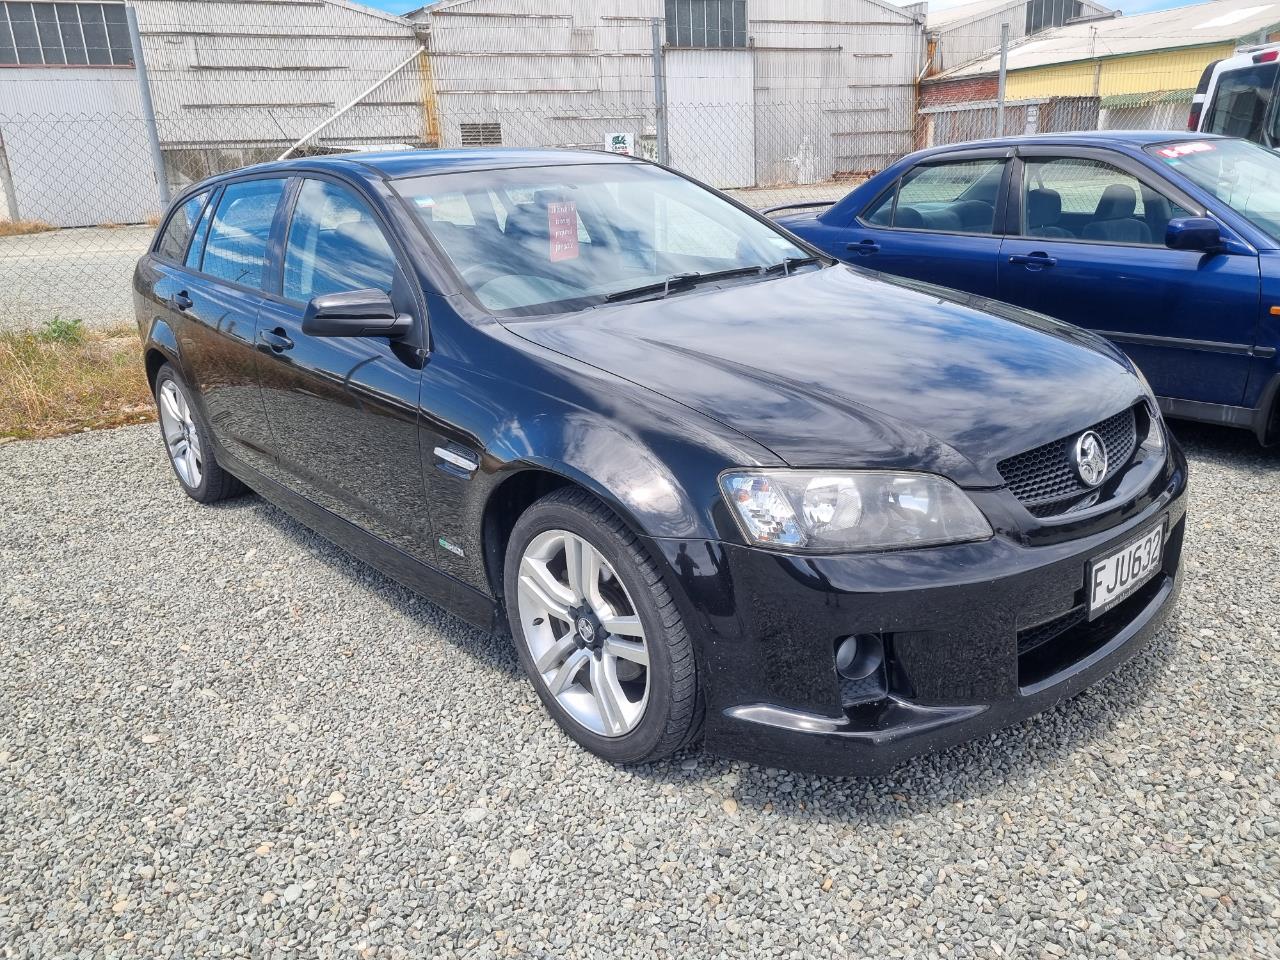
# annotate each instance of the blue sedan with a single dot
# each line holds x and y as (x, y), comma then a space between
(1166, 243)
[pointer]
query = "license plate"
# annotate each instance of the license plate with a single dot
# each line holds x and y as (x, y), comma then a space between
(1117, 576)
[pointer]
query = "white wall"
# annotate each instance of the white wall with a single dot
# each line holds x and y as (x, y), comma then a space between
(76, 150)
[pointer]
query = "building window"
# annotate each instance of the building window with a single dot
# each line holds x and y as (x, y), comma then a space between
(707, 23)
(64, 34)
(1043, 14)
(481, 134)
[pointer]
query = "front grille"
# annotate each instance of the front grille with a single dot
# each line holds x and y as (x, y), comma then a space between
(1044, 480)
(1033, 637)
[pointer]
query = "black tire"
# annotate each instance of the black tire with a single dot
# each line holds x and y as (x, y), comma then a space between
(673, 715)
(215, 483)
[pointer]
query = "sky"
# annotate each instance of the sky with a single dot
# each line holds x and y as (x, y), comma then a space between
(1126, 6)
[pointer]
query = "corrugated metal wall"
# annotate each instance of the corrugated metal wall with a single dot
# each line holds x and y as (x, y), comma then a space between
(960, 42)
(833, 79)
(102, 172)
(240, 74)
(1142, 73)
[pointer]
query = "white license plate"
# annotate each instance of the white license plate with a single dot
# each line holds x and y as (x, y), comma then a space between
(1115, 577)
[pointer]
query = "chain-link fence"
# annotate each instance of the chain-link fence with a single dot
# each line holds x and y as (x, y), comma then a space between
(80, 195)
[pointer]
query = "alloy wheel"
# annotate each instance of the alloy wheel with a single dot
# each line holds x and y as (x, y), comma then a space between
(181, 436)
(585, 638)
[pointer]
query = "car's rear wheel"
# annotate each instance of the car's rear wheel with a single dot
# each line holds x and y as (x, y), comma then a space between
(186, 439)
(598, 632)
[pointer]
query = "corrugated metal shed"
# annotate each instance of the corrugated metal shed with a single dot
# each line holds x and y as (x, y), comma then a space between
(966, 32)
(833, 80)
(1216, 23)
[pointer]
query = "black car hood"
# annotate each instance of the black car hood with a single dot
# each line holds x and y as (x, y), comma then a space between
(841, 367)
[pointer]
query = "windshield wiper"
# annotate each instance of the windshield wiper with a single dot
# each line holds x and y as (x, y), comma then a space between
(683, 280)
(790, 264)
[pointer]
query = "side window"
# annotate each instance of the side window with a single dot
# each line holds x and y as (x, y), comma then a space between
(236, 248)
(195, 252)
(335, 244)
(177, 232)
(1073, 198)
(880, 213)
(1240, 101)
(957, 197)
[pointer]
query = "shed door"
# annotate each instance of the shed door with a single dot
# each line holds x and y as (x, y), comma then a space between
(711, 115)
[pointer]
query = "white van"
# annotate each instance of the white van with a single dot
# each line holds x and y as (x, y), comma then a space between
(1235, 96)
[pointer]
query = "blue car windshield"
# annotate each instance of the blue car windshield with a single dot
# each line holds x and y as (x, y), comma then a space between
(552, 239)
(1243, 175)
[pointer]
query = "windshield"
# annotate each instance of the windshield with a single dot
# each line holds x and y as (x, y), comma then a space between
(1243, 175)
(542, 240)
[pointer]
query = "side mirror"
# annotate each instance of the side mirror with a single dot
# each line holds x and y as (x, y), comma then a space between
(1193, 233)
(354, 313)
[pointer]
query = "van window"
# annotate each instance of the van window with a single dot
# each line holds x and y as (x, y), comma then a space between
(1241, 100)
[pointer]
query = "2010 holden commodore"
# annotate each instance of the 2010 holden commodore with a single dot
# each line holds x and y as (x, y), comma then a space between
(718, 486)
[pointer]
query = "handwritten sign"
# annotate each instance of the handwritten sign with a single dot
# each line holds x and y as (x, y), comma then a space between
(562, 226)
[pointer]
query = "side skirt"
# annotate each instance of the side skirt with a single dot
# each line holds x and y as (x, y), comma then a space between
(452, 594)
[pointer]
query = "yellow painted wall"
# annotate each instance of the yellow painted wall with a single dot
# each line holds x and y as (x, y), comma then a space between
(1140, 73)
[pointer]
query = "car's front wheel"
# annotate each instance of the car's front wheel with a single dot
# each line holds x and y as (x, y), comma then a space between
(187, 441)
(598, 632)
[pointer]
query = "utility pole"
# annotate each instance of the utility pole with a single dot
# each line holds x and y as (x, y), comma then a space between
(1004, 70)
(148, 109)
(660, 92)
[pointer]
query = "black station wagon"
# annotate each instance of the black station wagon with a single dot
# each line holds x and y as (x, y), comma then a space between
(717, 486)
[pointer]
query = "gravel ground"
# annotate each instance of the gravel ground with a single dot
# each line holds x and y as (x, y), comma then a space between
(219, 736)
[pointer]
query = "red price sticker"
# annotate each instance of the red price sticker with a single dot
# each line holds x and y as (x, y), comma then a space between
(1176, 150)
(562, 227)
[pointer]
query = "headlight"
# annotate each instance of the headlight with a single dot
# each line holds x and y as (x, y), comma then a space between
(823, 512)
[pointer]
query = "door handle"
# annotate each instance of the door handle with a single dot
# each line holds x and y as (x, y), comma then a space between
(1034, 260)
(182, 300)
(277, 341)
(865, 248)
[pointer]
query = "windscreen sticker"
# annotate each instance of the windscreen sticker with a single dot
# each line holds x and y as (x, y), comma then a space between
(426, 202)
(562, 228)
(1176, 150)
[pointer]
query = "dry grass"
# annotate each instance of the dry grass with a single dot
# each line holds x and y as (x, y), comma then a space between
(19, 228)
(63, 379)
(153, 220)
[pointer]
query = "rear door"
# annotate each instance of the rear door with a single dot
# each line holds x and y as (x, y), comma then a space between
(214, 294)
(938, 223)
(1088, 248)
(344, 410)
(1242, 104)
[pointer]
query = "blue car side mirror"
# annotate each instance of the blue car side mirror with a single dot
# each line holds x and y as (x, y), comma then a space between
(1193, 233)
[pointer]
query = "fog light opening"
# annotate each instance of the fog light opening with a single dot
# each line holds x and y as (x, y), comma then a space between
(859, 656)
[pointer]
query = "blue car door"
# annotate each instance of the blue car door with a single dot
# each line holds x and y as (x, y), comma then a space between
(1089, 249)
(938, 222)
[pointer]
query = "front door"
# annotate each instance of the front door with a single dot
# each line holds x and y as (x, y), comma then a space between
(1091, 251)
(344, 410)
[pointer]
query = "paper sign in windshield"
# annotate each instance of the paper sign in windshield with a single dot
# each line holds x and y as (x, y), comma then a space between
(562, 224)
(1176, 150)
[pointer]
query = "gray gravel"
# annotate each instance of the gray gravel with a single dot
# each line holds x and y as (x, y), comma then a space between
(219, 736)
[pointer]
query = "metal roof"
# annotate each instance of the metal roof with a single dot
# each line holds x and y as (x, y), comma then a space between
(1221, 21)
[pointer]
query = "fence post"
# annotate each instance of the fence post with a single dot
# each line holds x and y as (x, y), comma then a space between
(6, 183)
(1004, 70)
(148, 109)
(660, 92)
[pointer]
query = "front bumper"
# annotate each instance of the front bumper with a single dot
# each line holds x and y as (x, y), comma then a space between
(962, 628)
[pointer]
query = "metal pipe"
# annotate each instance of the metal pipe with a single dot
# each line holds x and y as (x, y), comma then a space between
(315, 130)
(660, 92)
(1004, 70)
(148, 108)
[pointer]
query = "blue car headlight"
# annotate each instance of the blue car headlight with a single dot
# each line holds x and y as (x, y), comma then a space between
(821, 511)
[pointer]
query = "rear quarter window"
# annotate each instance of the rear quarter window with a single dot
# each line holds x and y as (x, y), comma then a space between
(177, 232)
